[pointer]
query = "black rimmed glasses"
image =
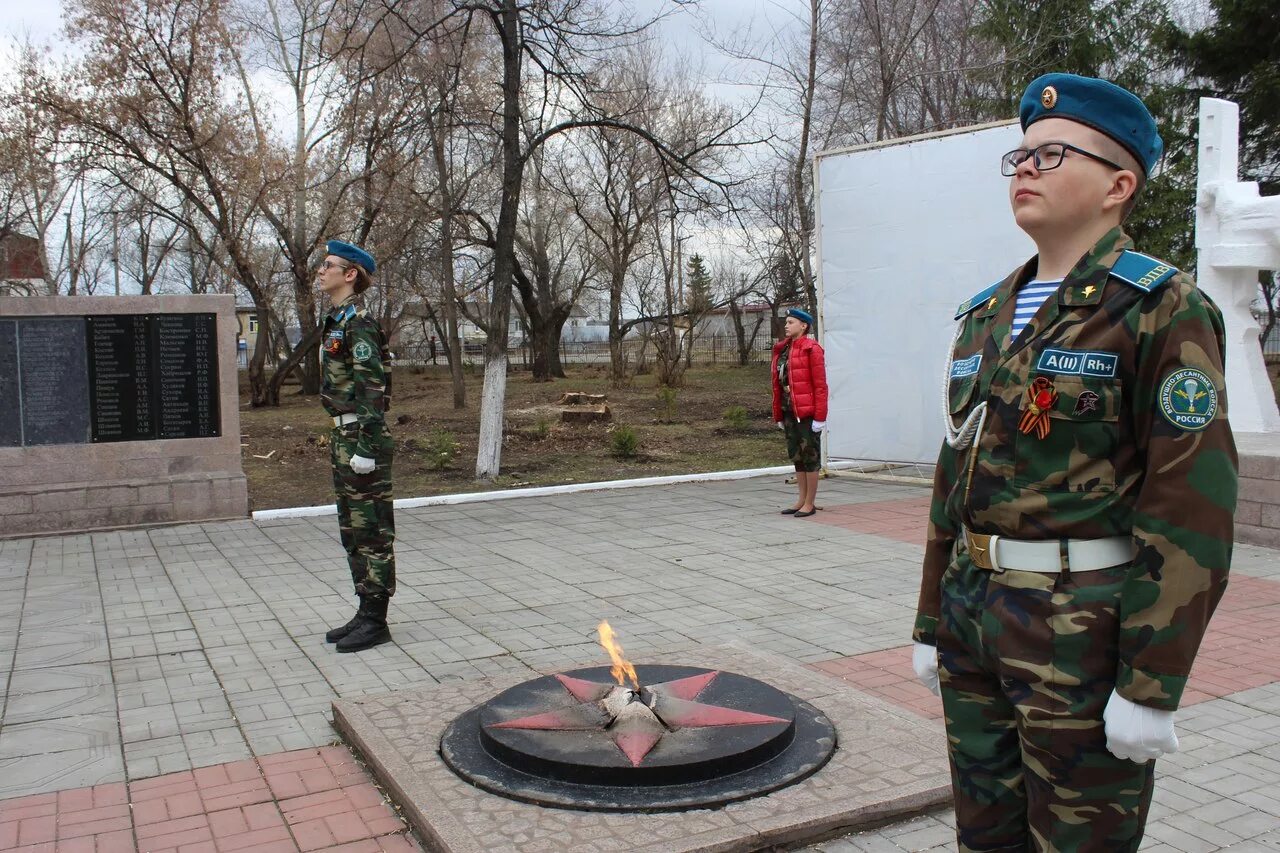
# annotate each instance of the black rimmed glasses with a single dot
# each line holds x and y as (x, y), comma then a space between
(1048, 156)
(327, 265)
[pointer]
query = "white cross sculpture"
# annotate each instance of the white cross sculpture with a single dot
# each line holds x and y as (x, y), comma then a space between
(1237, 234)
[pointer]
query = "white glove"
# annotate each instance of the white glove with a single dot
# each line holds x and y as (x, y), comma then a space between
(362, 464)
(924, 659)
(779, 423)
(1137, 732)
(819, 426)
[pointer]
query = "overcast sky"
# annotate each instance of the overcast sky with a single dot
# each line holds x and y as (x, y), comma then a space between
(41, 19)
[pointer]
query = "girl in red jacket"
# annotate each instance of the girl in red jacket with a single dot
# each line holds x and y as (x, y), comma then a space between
(800, 404)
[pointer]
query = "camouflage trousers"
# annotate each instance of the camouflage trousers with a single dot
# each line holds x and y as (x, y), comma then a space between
(365, 518)
(804, 446)
(1027, 662)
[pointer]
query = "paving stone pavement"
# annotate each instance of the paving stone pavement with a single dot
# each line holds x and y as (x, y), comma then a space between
(144, 654)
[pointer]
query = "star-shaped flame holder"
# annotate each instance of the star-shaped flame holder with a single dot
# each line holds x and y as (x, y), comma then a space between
(690, 737)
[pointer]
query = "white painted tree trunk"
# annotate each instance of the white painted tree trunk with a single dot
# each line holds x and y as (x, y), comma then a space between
(492, 399)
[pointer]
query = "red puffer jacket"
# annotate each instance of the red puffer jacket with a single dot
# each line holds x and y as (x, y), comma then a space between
(807, 375)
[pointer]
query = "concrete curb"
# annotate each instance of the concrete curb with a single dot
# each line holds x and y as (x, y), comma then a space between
(543, 491)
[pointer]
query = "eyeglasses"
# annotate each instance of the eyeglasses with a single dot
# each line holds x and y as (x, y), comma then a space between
(327, 265)
(1046, 157)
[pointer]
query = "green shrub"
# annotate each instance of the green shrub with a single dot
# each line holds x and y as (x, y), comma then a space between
(625, 442)
(440, 448)
(736, 417)
(542, 429)
(667, 402)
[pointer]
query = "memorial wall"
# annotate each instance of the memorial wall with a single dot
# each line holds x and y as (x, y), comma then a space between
(118, 411)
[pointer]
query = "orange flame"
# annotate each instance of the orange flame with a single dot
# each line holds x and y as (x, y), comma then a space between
(621, 666)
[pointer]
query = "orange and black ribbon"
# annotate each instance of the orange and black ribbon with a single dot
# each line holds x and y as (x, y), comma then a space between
(1041, 397)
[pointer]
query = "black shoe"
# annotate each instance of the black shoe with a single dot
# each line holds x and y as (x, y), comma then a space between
(336, 634)
(791, 511)
(372, 630)
(806, 514)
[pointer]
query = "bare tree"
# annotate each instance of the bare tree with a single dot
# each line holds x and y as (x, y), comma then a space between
(151, 97)
(562, 41)
(42, 169)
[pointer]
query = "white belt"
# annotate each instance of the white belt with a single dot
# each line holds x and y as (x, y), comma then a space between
(998, 554)
(343, 420)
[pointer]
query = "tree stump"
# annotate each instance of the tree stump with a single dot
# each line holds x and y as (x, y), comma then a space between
(579, 408)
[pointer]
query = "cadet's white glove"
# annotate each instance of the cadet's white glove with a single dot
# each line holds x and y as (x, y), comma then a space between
(924, 659)
(779, 423)
(1137, 732)
(819, 426)
(362, 464)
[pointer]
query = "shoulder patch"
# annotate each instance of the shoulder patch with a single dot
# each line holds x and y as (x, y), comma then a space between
(1188, 399)
(362, 351)
(977, 299)
(1142, 271)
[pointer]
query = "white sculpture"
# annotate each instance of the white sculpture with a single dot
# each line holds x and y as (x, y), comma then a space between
(1237, 234)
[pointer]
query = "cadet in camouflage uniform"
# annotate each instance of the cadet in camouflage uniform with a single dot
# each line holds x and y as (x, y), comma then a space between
(357, 394)
(1081, 525)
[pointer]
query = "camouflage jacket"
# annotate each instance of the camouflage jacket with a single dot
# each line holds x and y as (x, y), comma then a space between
(356, 367)
(1137, 443)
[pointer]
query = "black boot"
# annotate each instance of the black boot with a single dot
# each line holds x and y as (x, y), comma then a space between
(372, 630)
(336, 634)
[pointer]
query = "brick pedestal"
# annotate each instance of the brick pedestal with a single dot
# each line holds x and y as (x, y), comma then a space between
(1258, 509)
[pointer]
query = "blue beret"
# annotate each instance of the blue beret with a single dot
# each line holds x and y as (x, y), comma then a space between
(802, 316)
(352, 253)
(1100, 104)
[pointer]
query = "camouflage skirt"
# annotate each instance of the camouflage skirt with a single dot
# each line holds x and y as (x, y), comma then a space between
(365, 518)
(1027, 663)
(804, 446)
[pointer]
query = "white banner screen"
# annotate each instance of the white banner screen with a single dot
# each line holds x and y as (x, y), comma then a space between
(906, 232)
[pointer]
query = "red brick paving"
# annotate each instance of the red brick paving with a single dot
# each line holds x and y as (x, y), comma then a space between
(1234, 656)
(305, 800)
(903, 520)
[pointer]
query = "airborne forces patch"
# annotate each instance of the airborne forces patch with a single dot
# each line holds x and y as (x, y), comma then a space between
(1188, 399)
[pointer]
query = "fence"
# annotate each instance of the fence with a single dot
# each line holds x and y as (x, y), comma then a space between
(1271, 345)
(708, 351)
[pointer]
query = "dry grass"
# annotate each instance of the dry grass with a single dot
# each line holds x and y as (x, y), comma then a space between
(538, 449)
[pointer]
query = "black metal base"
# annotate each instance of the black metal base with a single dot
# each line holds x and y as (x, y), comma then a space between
(708, 759)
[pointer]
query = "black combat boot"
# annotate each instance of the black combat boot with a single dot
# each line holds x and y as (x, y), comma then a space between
(337, 634)
(372, 630)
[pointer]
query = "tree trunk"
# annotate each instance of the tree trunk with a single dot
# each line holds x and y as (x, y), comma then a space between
(545, 346)
(800, 186)
(739, 333)
(544, 340)
(261, 346)
(306, 349)
(493, 398)
(557, 335)
(448, 284)
(306, 320)
(617, 356)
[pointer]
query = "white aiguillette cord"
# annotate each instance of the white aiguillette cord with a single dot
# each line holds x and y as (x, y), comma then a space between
(959, 437)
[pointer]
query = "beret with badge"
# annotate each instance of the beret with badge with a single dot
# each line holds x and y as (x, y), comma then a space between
(1099, 104)
(801, 315)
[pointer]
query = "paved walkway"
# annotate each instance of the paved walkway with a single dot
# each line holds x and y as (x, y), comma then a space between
(170, 688)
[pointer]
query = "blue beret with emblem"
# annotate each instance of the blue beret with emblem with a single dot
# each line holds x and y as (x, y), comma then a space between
(802, 316)
(1100, 104)
(352, 253)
